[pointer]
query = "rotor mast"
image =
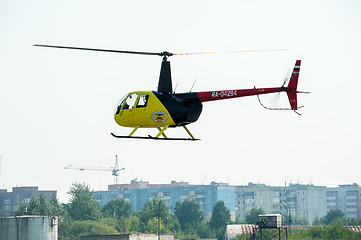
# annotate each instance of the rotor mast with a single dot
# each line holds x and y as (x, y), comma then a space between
(165, 77)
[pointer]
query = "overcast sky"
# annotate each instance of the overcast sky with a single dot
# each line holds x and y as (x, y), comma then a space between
(56, 105)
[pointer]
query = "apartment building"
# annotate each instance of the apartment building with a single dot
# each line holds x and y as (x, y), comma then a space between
(257, 195)
(306, 202)
(139, 192)
(10, 201)
(301, 201)
(347, 198)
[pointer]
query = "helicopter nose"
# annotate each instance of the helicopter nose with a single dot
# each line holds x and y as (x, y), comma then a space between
(118, 119)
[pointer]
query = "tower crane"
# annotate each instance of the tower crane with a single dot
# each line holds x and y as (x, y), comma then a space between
(115, 170)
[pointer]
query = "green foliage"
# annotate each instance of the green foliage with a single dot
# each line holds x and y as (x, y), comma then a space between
(252, 216)
(117, 208)
(294, 220)
(40, 206)
(334, 215)
(317, 221)
(220, 217)
(154, 208)
(336, 231)
(174, 225)
(152, 226)
(83, 205)
(189, 214)
(205, 231)
(315, 232)
(128, 225)
(333, 232)
(186, 223)
(90, 227)
(242, 237)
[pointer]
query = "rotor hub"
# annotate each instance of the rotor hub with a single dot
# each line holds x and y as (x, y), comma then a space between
(165, 55)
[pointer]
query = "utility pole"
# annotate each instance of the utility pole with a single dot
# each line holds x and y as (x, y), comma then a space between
(289, 215)
(158, 224)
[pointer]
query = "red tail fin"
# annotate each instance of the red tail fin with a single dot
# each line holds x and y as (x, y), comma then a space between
(292, 86)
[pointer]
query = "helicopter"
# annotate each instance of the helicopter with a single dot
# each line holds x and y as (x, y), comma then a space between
(163, 109)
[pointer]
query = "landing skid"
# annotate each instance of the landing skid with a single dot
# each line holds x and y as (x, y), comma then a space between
(154, 138)
(161, 132)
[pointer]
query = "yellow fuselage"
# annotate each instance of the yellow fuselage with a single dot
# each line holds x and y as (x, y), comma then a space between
(145, 110)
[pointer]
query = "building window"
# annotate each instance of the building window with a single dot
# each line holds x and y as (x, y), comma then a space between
(331, 194)
(184, 193)
(7, 201)
(351, 193)
(353, 206)
(199, 193)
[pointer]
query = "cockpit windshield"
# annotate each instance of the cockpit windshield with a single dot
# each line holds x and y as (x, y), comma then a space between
(119, 105)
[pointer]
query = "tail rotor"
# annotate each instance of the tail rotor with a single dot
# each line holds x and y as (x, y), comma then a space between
(291, 90)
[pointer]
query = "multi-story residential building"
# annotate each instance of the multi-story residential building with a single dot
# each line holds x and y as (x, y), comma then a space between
(301, 201)
(10, 201)
(347, 198)
(139, 192)
(257, 195)
(306, 201)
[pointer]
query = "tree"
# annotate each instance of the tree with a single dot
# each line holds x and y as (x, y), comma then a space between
(220, 216)
(56, 208)
(189, 214)
(204, 230)
(219, 219)
(90, 227)
(117, 208)
(335, 231)
(40, 206)
(129, 225)
(83, 205)
(155, 208)
(294, 220)
(334, 215)
(252, 216)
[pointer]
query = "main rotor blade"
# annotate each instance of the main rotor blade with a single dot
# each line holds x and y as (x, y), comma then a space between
(100, 50)
(240, 51)
(163, 54)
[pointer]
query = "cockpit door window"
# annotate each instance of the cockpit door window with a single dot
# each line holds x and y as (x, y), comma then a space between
(130, 101)
(143, 101)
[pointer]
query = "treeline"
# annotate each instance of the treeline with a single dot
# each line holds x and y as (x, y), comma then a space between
(331, 226)
(334, 231)
(83, 216)
(332, 216)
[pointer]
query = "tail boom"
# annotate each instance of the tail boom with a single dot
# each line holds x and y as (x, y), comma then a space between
(291, 91)
(236, 93)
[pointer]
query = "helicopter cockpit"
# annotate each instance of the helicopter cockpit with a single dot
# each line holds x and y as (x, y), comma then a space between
(132, 100)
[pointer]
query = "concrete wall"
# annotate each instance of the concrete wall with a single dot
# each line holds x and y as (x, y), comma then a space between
(29, 228)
